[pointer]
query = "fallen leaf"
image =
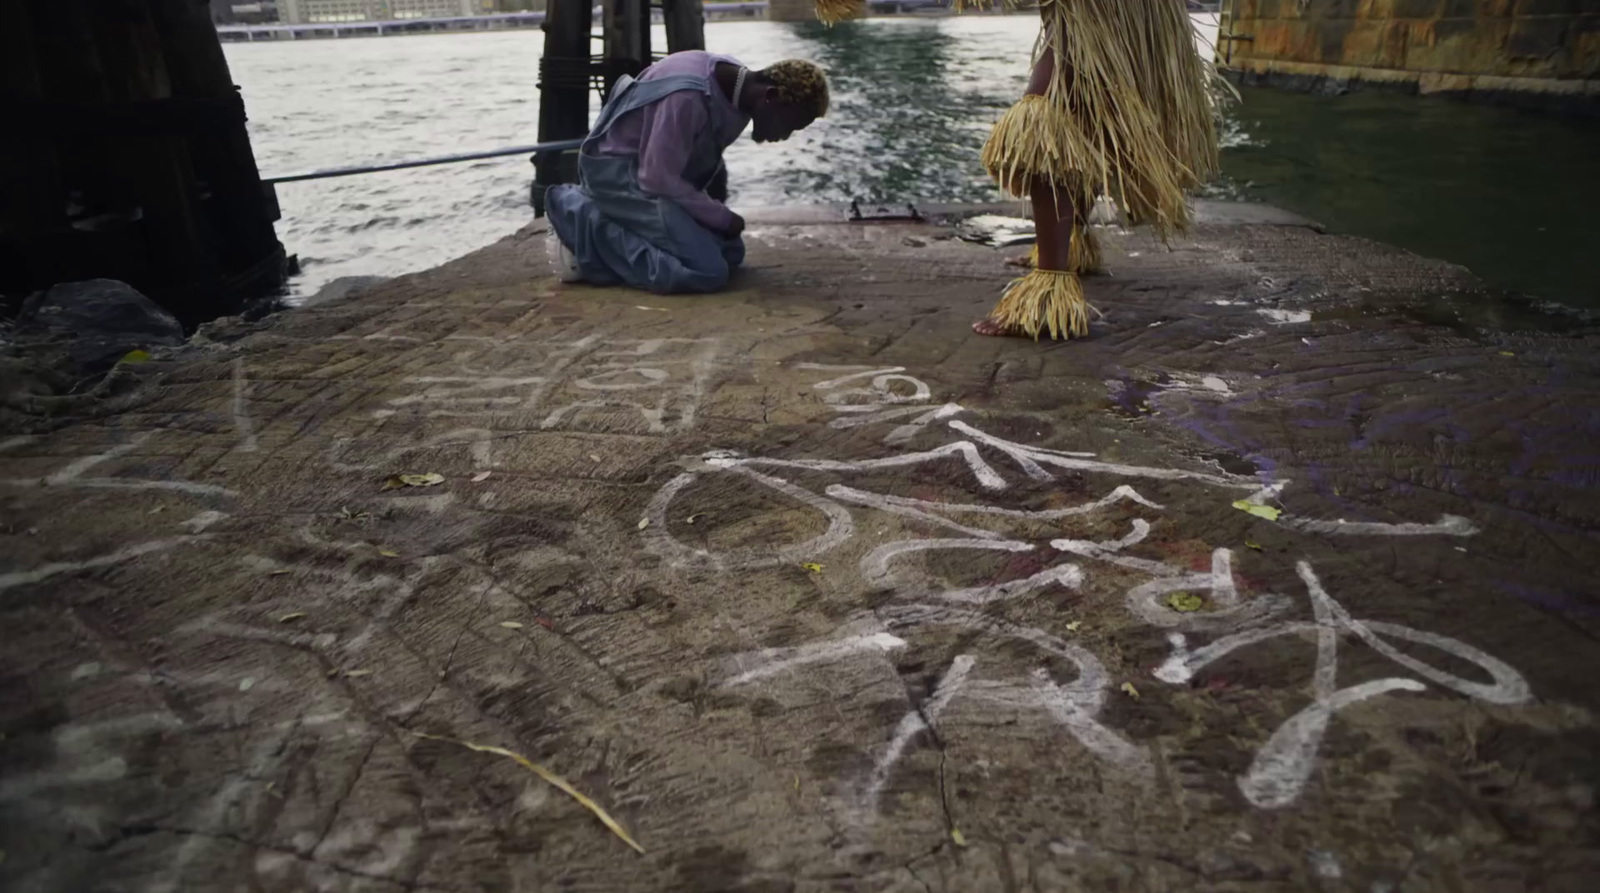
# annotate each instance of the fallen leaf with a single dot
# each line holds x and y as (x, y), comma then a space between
(393, 482)
(355, 674)
(272, 788)
(135, 357)
(421, 480)
(545, 622)
(797, 783)
(1507, 353)
(1250, 545)
(290, 618)
(1260, 511)
(593, 458)
(1185, 602)
(1074, 626)
(481, 476)
(158, 510)
(957, 837)
(693, 518)
(1130, 691)
(813, 567)
(388, 553)
(511, 624)
(659, 309)
(557, 781)
(643, 523)
(247, 683)
(280, 572)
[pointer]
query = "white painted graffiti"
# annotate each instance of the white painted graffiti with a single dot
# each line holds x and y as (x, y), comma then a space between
(863, 396)
(593, 383)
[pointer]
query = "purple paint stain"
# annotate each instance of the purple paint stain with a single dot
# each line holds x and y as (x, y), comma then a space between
(1555, 601)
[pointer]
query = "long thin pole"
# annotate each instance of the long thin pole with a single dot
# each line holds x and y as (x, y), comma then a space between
(558, 146)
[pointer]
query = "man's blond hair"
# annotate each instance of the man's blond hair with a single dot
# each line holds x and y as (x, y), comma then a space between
(799, 83)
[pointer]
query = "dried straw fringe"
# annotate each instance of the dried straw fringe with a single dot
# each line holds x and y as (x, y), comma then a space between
(1129, 110)
(832, 12)
(1044, 300)
(1083, 254)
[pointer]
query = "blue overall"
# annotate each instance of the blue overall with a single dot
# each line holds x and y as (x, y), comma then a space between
(621, 234)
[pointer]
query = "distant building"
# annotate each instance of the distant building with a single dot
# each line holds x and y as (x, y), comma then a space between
(303, 12)
(239, 12)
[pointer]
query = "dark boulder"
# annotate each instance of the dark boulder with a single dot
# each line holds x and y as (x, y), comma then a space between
(95, 323)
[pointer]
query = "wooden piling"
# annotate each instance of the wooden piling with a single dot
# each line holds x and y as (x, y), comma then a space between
(564, 71)
(125, 156)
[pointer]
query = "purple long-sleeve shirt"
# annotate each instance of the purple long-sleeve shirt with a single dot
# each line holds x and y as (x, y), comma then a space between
(662, 134)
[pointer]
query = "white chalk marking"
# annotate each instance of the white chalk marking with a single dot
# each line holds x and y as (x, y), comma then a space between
(1284, 317)
(1325, 864)
(203, 520)
(213, 818)
(75, 469)
(1068, 575)
(986, 476)
(922, 509)
(72, 475)
(1283, 765)
(868, 372)
(914, 722)
(466, 389)
(23, 578)
(1031, 458)
(658, 537)
(1075, 705)
(875, 566)
(1447, 525)
(772, 661)
(241, 409)
(600, 380)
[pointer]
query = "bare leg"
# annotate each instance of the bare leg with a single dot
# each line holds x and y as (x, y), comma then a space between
(1053, 213)
(1052, 222)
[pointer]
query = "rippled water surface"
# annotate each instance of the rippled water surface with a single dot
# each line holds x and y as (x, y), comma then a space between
(913, 100)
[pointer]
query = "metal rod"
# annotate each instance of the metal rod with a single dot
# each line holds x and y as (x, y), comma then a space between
(557, 146)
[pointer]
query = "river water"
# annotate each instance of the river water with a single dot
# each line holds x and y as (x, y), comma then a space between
(1507, 193)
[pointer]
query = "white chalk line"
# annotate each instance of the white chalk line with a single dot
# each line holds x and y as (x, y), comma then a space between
(772, 661)
(45, 572)
(1447, 525)
(915, 722)
(875, 565)
(241, 409)
(659, 539)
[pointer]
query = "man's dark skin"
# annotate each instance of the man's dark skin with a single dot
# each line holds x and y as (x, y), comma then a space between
(772, 121)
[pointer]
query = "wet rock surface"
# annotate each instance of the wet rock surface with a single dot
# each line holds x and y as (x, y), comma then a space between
(1284, 580)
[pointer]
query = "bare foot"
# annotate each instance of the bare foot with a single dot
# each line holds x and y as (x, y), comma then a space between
(989, 327)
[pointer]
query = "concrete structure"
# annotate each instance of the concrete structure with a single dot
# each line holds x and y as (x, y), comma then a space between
(301, 12)
(814, 590)
(1536, 52)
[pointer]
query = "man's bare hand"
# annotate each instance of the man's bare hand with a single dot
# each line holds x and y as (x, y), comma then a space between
(735, 229)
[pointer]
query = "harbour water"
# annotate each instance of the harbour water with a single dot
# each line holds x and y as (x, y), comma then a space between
(913, 100)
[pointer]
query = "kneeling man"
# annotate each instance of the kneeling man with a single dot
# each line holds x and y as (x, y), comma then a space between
(641, 215)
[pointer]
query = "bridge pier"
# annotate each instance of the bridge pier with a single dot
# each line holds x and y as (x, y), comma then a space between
(125, 156)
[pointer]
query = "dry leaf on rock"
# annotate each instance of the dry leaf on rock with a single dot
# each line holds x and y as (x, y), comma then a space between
(1185, 602)
(1260, 511)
